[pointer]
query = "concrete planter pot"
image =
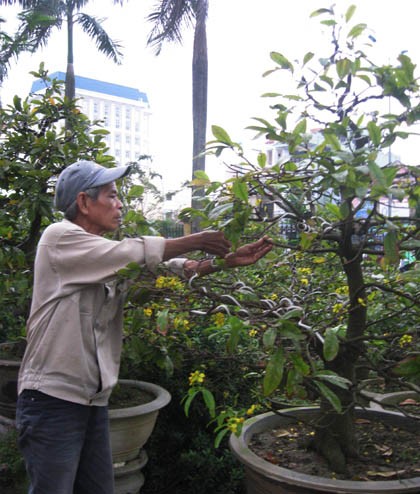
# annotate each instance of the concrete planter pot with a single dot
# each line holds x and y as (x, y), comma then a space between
(130, 428)
(382, 401)
(263, 477)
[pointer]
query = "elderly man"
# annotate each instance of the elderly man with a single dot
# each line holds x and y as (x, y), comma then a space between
(74, 330)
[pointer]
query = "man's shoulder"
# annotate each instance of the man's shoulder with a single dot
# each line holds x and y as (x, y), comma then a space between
(59, 228)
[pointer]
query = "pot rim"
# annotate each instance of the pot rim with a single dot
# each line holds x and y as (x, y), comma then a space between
(162, 398)
(239, 448)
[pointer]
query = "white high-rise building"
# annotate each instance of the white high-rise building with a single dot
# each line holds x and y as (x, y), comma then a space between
(125, 112)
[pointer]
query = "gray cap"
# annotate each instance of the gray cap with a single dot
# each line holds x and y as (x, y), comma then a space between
(81, 176)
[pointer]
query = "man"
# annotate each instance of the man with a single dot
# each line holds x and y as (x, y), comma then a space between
(74, 330)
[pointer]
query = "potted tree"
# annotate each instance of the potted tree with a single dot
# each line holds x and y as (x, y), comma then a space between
(343, 212)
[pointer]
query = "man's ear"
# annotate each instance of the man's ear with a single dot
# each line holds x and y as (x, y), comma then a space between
(82, 199)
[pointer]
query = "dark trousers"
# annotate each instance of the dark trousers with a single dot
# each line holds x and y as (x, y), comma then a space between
(65, 445)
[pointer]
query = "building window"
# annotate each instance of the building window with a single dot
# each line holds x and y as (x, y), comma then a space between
(128, 140)
(117, 117)
(106, 114)
(127, 119)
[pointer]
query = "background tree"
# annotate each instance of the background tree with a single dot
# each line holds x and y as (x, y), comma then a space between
(168, 20)
(35, 149)
(39, 18)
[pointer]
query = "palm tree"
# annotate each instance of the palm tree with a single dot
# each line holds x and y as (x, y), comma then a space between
(168, 20)
(10, 47)
(39, 18)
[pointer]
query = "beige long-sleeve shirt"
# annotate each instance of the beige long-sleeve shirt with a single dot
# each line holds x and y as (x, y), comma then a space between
(74, 331)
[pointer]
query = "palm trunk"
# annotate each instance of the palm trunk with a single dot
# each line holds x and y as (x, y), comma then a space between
(70, 91)
(200, 81)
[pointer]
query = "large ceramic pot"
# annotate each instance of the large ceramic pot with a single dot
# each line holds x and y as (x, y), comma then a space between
(263, 477)
(394, 399)
(130, 428)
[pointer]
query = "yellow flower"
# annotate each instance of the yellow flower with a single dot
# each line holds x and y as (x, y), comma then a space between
(304, 281)
(273, 296)
(405, 340)
(219, 319)
(337, 308)
(319, 260)
(196, 377)
(252, 332)
(180, 323)
(147, 312)
(251, 409)
(305, 271)
(234, 423)
(168, 282)
(342, 290)
(361, 301)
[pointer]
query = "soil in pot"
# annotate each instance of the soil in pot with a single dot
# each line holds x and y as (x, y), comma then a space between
(129, 396)
(386, 452)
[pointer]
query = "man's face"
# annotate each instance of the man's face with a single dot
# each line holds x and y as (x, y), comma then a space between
(104, 213)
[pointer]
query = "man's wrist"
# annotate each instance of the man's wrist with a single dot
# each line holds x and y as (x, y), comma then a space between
(217, 264)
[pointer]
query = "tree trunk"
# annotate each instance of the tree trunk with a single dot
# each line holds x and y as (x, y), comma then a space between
(336, 437)
(70, 86)
(200, 81)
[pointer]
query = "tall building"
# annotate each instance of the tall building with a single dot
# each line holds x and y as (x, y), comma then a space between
(125, 112)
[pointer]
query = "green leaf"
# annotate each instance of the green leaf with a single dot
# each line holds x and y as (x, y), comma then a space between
(274, 372)
(300, 128)
(391, 247)
(377, 174)
(334, 209)
(331, 345)
(240, 190)
(219, 437)
(192, 393)
(357, 30)
(330, 396)
(343, 67)
(281, 60)
(306, 240)
(309, 56)
(350, 12)
(209, 402)
(333, 378)
(409, 367)
(269, 337)
(136, 191)
(235, 326)
(221, 135)
(162, 321)
(220, 210)
(300, 365)
(374, 133)
(262, 160)
(317, 12)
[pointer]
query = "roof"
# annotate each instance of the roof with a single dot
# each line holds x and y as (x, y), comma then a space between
(96, 86)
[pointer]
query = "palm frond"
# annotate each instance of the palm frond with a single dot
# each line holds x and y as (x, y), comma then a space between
(92, 26)
(168, 19)
(35, 28)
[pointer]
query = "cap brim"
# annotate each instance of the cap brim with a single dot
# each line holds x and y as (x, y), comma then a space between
(108, 175)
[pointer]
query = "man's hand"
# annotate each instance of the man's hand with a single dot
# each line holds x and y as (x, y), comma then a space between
(214, 243)
(211, 242)
(249, 253)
